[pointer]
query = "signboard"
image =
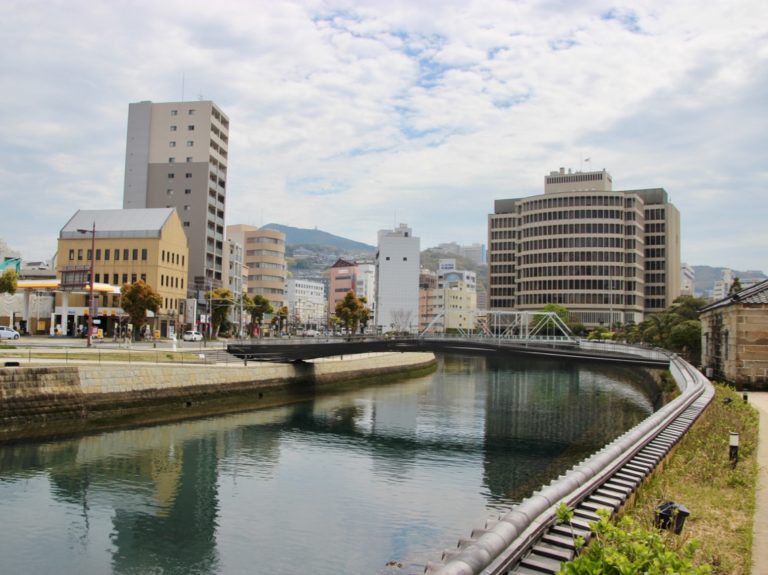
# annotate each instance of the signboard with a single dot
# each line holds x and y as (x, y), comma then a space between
(75, 277)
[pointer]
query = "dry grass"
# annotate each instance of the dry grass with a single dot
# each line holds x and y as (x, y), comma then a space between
(720, 498)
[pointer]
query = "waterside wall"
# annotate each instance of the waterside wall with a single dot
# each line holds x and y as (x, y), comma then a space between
(50, 400)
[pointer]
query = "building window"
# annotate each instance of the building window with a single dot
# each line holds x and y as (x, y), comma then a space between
(135, 255)
(189, 159)
(115, 279)
(125, 254)
(125, 278)
(80, 255)
(133, 278)
(172, 144)
(191, 128)
(186, 224)
(188, 175)
(405, 259)
(117, 255)
(171, 176)
(173, 128)
(144, 254)
(190, 143)
(98, 254)
(174, 112)
(96, 278)
(186, 208)
(144, 277)
(171, 160)
(106, 255)
(169, 192)
(191, 112)
(187, 190)
(71, 255)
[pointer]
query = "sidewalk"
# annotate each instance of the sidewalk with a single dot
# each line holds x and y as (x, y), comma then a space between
(760, 528)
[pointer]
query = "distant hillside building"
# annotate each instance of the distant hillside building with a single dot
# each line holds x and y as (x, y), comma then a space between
(397, 280)
(687, 280)
(608, 256)
(735, 337)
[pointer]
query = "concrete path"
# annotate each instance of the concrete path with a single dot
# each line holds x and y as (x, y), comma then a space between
(760, 529)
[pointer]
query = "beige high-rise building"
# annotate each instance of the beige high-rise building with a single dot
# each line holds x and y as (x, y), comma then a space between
(608, 256)
(264, 256)
(176, 157)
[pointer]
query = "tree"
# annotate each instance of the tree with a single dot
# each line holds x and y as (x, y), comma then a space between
(352, 311)
(257, 306)
(735, 286)
(281, 318)
(8, 281)
(138, 298)
(685, 338)
(221, 301)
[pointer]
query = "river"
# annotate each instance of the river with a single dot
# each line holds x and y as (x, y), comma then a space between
(343, 484)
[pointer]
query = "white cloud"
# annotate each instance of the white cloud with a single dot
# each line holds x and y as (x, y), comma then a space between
(352, 115)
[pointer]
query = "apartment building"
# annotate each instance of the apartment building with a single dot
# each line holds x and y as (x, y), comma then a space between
(397, 280)
(264, 257)
(176, 157)
(608, 256)
(129, 245)
(342, 279)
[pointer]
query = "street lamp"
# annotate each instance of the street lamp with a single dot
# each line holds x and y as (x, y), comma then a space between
(91, 307)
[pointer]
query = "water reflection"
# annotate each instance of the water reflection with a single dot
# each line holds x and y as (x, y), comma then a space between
(340, 484)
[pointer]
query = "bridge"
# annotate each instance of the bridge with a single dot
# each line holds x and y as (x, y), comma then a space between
(552, 348)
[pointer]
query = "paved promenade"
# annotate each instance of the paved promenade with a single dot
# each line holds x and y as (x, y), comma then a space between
(760, 532)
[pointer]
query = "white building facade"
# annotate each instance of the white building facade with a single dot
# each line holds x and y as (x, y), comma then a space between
(307, 303)
(397, 280)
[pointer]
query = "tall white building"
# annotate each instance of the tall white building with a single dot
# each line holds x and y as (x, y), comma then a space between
(397, 280)
(365, 285)
(176, 157)
(687, 279)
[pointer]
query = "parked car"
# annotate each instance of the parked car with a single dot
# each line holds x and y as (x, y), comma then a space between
(191, 335)
(8, 332)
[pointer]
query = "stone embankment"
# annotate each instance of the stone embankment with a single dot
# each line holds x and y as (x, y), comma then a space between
(49, 400)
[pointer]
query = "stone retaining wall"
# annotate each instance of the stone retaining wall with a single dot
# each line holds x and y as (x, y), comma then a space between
(40, 401)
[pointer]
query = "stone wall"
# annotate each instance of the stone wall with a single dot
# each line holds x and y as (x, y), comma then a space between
(49, 400)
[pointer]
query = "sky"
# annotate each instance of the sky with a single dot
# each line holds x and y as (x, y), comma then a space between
(355, 116)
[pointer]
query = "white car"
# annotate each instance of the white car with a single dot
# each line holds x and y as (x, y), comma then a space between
(192, 336)
(8, 332)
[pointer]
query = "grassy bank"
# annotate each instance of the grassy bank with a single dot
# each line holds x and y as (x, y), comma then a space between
(719, 496)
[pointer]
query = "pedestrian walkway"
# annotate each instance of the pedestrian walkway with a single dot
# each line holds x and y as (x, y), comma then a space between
(760, 528)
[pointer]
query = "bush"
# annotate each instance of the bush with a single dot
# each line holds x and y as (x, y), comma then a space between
(626, 548)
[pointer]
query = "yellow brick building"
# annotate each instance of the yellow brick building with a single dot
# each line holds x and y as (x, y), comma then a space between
(128, 245)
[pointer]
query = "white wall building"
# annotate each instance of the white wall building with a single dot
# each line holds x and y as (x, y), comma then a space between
(306, 302)
(687, 279)
(397, 280)
(365, 285)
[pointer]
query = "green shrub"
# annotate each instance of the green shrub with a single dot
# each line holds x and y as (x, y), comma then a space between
(625, 549)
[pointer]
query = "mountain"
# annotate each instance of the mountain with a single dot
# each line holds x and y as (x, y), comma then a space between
(706, 276)
(304, 236)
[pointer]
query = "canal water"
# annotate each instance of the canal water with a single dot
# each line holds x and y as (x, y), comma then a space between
(343, 484)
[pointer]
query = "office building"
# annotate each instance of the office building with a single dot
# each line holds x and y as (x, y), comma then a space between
(307, 305)
(397, 280)
(609, 257)
(176, 157)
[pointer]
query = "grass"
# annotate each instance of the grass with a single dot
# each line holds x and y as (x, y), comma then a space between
(720, 498)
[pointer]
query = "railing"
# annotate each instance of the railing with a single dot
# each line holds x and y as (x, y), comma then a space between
(602, 481)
